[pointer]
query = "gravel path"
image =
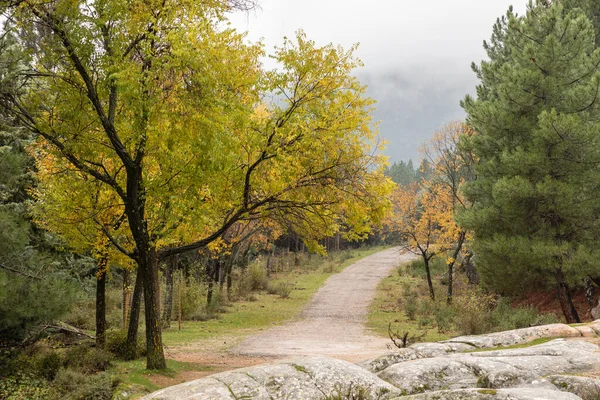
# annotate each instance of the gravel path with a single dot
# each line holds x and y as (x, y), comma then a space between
(332, 324)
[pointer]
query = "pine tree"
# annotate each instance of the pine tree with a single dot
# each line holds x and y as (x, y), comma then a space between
(536, 115)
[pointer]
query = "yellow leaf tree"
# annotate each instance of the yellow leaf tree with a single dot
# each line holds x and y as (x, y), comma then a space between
(453, 166)
(169, 114)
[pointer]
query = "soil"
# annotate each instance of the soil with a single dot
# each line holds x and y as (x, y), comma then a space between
(332, 324)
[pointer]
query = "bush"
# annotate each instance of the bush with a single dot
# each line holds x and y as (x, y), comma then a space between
(87, 359)
(82, 314)
(282, 289)
(505, 317)
(474, 312)
(25, 303)
(48, 365)
(115, 344)
(192, 298)
(416, 268)
(411, 307)
(444, 317)
(77, 386)
(257, 275)
(26, 387)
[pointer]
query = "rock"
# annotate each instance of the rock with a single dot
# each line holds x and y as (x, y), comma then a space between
(518, 336)
(414, 352)
(302, 378)
(527, 393)
(586, 388)
(493, 369)
(393, 357)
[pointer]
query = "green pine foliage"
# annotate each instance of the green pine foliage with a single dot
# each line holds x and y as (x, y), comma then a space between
(402, 173)
(537, 117)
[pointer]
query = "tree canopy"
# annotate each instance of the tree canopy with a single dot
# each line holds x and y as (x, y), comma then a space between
(158, 127)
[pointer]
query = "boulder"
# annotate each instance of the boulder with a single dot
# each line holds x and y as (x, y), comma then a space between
(519, 336)
(525, 393)
(586, 388)
(301, 378)
(493, 369)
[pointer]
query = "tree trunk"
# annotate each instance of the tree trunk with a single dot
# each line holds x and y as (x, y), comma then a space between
(169, 271)
(134, 319)
(565, 299)
(210, 272)
(470, 270)
(126, 297)
(429, 282)
(102, 264)
(148, 265)
(222, 273)
(590, 293)
(459, 244)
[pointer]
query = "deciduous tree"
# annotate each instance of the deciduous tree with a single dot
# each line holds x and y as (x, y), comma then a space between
(166, 114)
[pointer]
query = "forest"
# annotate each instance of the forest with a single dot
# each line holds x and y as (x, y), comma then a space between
(154, 172)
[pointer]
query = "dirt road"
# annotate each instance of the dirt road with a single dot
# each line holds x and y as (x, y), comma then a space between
(332, 324)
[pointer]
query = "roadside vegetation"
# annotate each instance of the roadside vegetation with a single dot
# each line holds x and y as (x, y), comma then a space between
(69, 365)
(403, 304)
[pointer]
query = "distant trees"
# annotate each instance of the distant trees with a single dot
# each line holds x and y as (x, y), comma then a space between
(535, 212)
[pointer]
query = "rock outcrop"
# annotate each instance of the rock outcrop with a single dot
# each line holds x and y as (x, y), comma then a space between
(467, 367)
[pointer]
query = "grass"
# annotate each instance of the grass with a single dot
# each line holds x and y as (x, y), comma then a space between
(534, 342)
(386, 308)
(133, 374)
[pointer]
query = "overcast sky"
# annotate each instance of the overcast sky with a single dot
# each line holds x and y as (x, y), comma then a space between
(417, 53)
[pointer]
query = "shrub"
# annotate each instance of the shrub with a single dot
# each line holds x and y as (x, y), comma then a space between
(48, 365)
(257, 275)
(424, 321)
(416, 268)
(444, 317)
(282, 289)
(115, 344)
(192, 298)
(77, 386)
(411, 307)
(243, 286)
(82, 314)
(26, 387)
(87, 359)
(505, 317)
(474, 312)
(25, 303)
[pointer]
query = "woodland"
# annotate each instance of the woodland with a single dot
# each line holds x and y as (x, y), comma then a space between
(152, 170)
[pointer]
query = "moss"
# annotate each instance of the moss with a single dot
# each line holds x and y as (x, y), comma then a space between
(515, 346)
(300, 368)
(487, 391)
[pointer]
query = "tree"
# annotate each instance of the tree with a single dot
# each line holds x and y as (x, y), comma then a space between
(452, 168)
(423, 215)
(402, 173)
(536, 116)
(32, 290)
(171, 121)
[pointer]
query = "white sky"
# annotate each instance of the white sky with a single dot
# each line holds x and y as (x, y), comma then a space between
(417, 54)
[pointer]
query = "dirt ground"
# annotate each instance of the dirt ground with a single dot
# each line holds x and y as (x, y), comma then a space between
(332, 324)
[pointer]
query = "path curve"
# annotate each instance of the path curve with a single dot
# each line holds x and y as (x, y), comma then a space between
(332, 324)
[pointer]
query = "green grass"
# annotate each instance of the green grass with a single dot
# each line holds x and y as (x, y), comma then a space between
(134, 373)
(514, 346)
(386, 309)
(247, 317)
